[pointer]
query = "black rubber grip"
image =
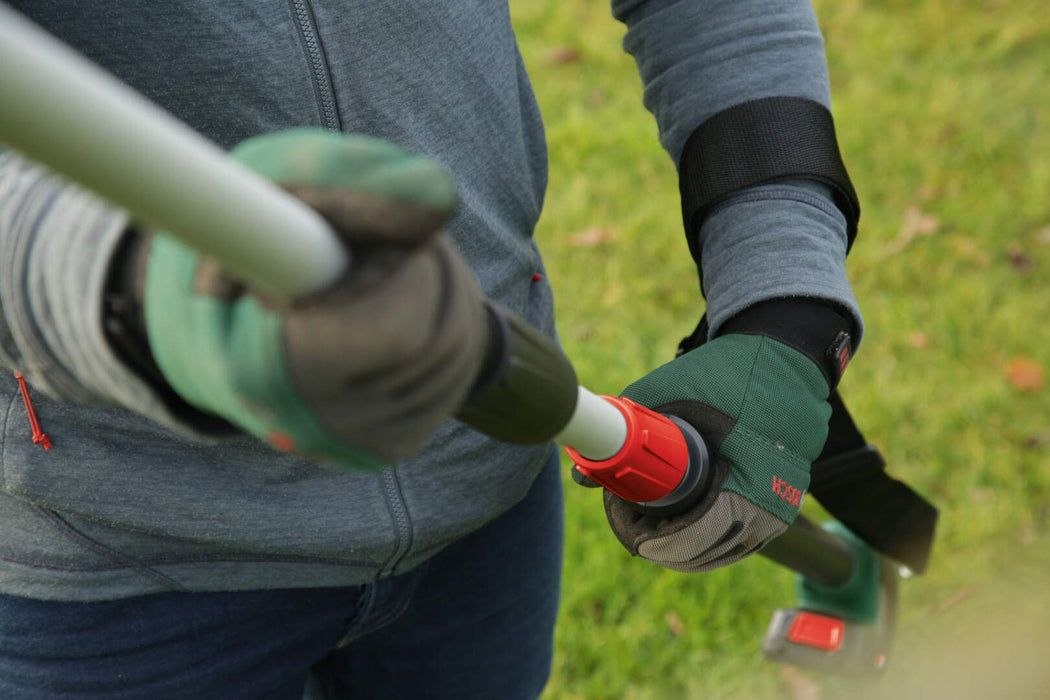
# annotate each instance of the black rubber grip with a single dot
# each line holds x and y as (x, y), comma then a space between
(527, 392)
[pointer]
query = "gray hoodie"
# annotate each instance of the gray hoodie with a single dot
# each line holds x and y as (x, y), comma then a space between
(129, 500)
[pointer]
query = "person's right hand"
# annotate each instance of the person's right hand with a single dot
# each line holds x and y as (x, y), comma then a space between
(362, 372)
(759, 397)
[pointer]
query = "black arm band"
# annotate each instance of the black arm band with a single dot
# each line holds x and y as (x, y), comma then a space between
(760, 142)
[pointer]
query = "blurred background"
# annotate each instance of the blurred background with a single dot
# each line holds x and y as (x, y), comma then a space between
(943, 117)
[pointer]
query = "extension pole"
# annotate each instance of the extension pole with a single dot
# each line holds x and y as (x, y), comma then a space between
(68, 114)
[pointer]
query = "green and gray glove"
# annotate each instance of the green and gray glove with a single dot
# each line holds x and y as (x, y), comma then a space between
(761, 405)
(360, 373)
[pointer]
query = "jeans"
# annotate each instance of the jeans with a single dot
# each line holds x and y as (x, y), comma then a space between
(475, 621)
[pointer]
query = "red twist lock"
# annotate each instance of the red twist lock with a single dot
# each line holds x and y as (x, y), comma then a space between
(653, 461)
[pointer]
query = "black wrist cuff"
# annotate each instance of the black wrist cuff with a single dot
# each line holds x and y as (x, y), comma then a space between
(123, 316)
(815, 328)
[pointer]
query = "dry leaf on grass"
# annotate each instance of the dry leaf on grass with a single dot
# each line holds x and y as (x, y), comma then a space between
(583, 331)
(1019, 259)
(592, 237)
(955, 600)
(918, 340)
(1040, 439)
(674, 622)
(982, 495)
(563, 55)
(927, 192)
(1024, 374)
(915, 224)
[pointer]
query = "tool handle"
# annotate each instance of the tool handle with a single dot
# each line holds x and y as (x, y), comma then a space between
(527, 394)
(662, 466)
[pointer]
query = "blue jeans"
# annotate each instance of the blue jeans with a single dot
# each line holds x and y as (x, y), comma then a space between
(476, 621)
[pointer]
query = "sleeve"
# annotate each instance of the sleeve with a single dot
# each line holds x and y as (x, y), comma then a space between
(56, 243)
(699, 58)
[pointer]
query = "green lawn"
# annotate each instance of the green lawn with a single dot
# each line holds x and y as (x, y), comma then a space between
(943, 113)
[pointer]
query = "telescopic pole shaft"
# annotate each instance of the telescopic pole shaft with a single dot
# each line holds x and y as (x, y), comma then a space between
(67, 113)
(596, 428)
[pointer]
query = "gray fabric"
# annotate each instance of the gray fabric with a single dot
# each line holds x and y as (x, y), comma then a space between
(122, 504)
(768, 242)
(55, 244)
(794, 249)
(729, 530)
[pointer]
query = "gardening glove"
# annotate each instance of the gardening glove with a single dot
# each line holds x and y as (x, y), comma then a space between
(759, 396)
(360, 373)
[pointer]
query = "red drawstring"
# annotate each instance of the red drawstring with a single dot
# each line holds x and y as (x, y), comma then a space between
(39, 438)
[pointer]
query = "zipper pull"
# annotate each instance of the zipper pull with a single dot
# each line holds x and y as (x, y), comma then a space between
(39, 437)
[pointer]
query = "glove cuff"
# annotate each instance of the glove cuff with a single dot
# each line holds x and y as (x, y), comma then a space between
(813, 327)
(123, 310)
(124, 326)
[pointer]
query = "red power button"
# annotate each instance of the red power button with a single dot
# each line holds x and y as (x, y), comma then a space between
(817, 631)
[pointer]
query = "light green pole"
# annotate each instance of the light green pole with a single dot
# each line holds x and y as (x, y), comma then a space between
(65, 112)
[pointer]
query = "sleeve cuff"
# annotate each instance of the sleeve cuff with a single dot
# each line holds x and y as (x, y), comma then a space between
(773, 242)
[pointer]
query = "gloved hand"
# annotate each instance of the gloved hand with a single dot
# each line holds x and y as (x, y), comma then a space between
(357, 374)
(761, 406)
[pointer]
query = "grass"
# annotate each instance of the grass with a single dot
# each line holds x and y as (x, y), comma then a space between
(943, 113)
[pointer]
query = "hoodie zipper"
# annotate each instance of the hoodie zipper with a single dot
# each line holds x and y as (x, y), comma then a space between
(320, 73)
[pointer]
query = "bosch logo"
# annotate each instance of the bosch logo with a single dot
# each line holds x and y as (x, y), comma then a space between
(787, 492)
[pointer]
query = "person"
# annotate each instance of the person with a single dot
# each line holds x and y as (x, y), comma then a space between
(242, 495)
